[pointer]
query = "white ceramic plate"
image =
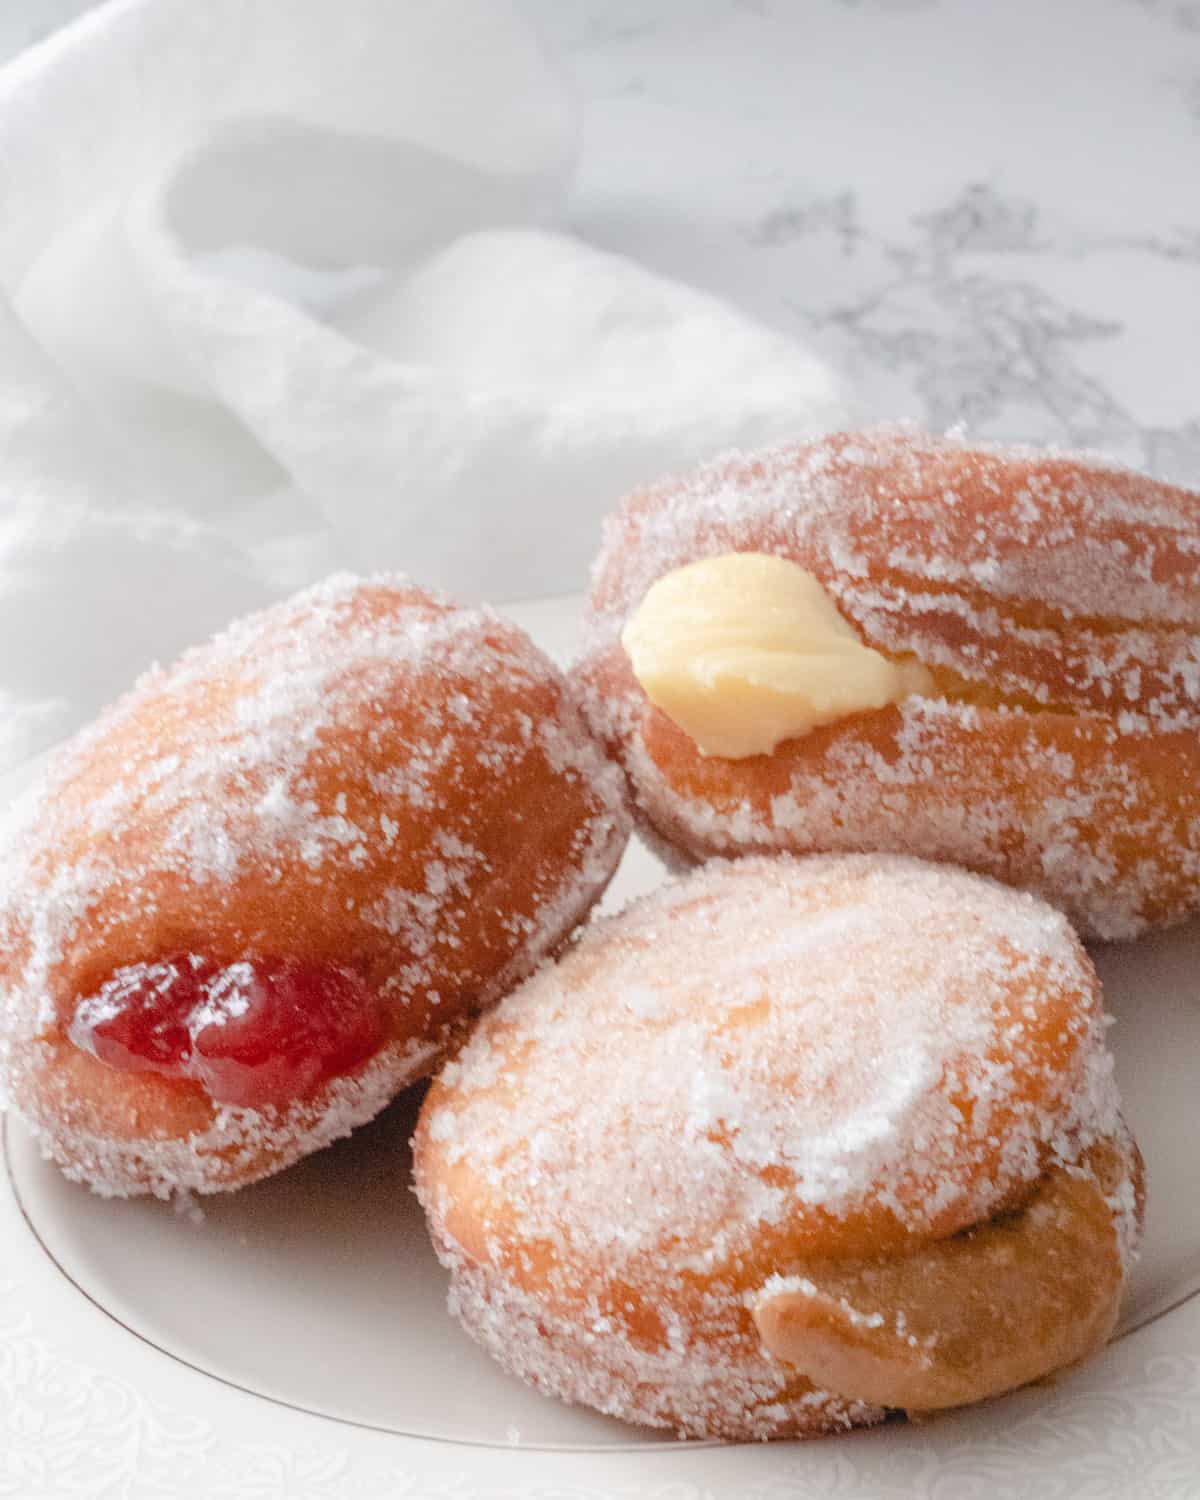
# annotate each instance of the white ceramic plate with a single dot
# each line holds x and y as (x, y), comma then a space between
(291, 1340)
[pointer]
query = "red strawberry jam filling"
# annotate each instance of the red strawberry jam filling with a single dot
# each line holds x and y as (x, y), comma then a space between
(261, 1032)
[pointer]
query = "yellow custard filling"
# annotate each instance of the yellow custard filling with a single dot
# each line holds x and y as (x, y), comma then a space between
(745, 650)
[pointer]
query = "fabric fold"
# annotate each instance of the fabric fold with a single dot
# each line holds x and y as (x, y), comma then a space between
(307, 273)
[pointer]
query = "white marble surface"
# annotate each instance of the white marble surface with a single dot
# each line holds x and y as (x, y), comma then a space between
(982, 213)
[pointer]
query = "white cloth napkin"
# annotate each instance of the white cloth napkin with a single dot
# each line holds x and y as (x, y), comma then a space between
(286, 293)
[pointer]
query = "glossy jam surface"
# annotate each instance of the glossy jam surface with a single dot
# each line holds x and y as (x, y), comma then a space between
(261, 1032)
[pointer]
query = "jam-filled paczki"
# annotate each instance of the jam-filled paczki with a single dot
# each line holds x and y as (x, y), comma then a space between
(264, 891)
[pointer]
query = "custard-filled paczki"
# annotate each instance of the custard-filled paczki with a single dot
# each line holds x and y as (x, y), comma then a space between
(256, 898)
(888, 641)
(785, 1145)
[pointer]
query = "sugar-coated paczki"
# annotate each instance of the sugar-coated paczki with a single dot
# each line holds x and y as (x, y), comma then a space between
(1040, 614)
(785, 1145)
(258, 895)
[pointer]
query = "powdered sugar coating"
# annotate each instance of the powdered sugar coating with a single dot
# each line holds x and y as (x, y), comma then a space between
(236, 1145)
(684, 1384)
(768, 1061)
(1056, 600)
(365, 774)
(1067, 532)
